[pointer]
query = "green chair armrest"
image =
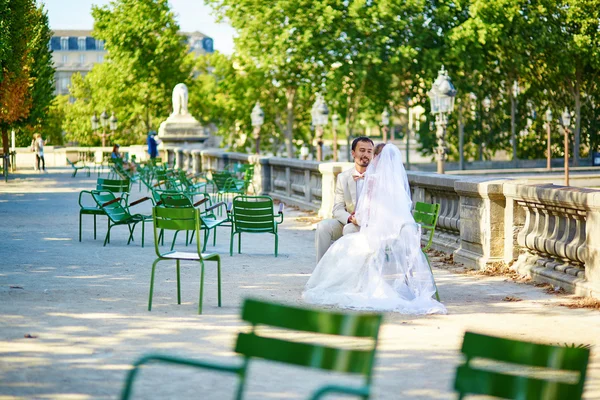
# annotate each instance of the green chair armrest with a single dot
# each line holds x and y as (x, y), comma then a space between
(323, 390)
(204, 200)
(236, 369)
(116, 199)
(80, 196)
(280, 212)
(138, 201)
(222, 203)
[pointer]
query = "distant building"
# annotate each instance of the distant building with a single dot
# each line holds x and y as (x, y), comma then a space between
(76, 51)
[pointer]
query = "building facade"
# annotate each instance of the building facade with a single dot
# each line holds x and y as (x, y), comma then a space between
(76, 51)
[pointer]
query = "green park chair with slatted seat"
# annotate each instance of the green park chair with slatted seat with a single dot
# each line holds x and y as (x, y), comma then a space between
(357, 362)
(426, 215)
(253, 214)
(87, 206)
(76, 167)
(208, 219)
(181, 219)
(513, 369)
(119, 214)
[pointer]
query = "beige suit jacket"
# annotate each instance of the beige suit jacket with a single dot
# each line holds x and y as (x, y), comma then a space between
(344, 201)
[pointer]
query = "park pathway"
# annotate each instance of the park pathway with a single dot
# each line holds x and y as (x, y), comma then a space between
(73, 315)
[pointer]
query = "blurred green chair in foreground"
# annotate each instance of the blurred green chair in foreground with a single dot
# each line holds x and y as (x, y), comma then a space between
(512, 369)
(357, 361)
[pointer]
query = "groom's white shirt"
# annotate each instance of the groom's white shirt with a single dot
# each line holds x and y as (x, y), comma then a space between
(344, 201)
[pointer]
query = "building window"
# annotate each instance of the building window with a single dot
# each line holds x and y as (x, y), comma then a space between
(100, 58)
(82, 59)
(64, 43)
(65, 59)
(64, 84)
(99, 44)
(81, 43)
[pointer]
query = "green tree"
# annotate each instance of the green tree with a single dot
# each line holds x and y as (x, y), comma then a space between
(146, 58)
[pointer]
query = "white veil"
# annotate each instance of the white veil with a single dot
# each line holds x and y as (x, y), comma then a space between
(382, 267)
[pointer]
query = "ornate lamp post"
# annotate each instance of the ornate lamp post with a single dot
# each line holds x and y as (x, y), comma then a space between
(566, 122)
(335, 122)
(258, 118)
(548, 131)
(105, 121)
(441, 96)
(320, 113)
(385, 124)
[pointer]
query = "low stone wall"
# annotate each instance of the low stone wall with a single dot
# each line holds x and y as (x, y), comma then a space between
(550, 232)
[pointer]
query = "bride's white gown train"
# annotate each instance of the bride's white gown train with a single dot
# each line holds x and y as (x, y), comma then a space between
(380, 268)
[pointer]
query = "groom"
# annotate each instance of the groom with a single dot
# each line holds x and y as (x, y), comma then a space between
(347, 192)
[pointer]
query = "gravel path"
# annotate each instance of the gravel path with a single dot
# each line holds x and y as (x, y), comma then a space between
(73, 315)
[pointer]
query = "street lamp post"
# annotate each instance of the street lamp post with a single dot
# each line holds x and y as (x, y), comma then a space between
(320, 113)
(487, 104)
(441, 96)
(385, 124)
(566, 122)
(548, 132)
(335, 122)
(258, 118)
(105, 121)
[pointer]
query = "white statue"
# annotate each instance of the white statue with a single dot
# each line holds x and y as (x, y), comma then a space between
(180, 99)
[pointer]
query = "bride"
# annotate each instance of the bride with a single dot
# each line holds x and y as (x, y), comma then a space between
(381, 267)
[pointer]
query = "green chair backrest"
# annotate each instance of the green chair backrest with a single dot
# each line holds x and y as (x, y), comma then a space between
(359, 361)
(220, 179)
(115, 210)
(175, 219)
(253, 214)
(426, 215)
(113, 185)
(175, 200)
(505, 381)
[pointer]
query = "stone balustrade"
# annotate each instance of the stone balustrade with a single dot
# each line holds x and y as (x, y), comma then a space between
(550, 232)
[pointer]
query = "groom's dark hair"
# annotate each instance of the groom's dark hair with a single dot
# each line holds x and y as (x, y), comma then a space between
(361, 139)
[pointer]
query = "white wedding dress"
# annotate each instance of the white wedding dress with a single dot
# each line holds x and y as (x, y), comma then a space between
(380, 268)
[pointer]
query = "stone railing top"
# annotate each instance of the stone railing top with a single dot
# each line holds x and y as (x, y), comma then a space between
(485, 187)
(335, 166)
(562, 196)
(427, 179)
(295, 163)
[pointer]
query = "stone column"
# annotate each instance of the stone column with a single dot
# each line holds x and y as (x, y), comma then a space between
(180, 158)
(482, 206)
(196, 161)
(592, 237)
(329, 173)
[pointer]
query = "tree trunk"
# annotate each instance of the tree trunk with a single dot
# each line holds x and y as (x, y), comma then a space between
(5, 144)
(577, 126)
(290, 95)
(461, 139)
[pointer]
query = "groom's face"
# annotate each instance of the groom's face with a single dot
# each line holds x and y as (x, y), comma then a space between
(363, 153)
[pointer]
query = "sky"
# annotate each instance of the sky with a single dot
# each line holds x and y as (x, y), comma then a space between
(192, 15)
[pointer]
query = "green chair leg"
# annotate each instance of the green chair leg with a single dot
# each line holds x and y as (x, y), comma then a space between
(80, 227)
(437, 295)
(201, 287)
(178, 284)
(94, 227)
(240, 243)
(152, 284)
(276, 244)
(219, 279)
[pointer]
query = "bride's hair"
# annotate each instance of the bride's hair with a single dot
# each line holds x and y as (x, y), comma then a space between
(378, 149)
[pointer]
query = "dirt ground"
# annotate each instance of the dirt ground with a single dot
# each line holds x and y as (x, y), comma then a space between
(73, 316)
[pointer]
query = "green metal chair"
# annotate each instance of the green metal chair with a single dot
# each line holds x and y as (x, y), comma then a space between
(512, 369)
(253, 214)
(208, 219)
(426, 215)
(181, 219)
(112, 185)
(319, 356)
(118, 214)
(76, 168)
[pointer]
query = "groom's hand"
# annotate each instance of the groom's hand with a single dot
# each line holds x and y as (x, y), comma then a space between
(352, 219)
